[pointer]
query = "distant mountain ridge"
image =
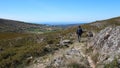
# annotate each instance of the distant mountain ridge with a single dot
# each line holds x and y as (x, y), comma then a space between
(19, 26)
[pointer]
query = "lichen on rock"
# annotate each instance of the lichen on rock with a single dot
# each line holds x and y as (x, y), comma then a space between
(106, 44)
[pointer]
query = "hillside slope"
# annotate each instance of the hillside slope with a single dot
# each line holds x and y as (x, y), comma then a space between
(99, 25)
(19, 26)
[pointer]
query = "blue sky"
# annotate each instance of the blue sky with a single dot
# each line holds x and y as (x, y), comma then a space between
(59, 10)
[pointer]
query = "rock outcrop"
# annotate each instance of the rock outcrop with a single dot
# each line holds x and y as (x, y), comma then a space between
(65, 42)
(71, 58)
(105, 46)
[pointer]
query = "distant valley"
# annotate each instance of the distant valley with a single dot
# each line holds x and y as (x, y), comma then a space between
(24, 27)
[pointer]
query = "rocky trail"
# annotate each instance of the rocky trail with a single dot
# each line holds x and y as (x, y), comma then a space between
(63, 58)
(103, 51)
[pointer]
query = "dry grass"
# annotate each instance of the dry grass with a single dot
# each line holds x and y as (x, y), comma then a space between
(16, 47)
(6, 35)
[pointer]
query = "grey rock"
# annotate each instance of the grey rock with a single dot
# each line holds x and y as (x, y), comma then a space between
(106, 44)
(71, 56)
(118, 61)
(73, 52)
(57, 62)
(90, 34)
(65, 42)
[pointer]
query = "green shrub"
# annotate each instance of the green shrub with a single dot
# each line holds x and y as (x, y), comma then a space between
(75, 65)
(113, 64)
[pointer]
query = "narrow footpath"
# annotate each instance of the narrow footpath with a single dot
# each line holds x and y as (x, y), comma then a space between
(42, 62)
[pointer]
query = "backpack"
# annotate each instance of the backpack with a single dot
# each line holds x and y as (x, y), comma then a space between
(79, 31)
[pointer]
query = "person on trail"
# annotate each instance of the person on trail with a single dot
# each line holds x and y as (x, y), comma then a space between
(79, 32)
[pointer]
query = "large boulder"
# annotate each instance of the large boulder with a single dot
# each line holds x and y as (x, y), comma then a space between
(106, 45)
(65, 42)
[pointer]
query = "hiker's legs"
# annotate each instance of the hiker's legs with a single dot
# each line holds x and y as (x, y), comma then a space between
(79, 38)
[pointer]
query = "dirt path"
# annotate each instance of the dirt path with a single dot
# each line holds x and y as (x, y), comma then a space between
(43, 61)
(91, 62)
(81, 47)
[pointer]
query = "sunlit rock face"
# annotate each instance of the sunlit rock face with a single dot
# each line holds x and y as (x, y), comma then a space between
(107, 44)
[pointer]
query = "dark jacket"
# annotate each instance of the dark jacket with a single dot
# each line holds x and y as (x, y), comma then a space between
(79, 31)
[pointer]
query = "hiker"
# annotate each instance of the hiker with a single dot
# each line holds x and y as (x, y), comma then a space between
(79, 32)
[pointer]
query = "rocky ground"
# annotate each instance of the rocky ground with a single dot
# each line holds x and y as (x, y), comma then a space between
(100, 51)
(71, 57)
